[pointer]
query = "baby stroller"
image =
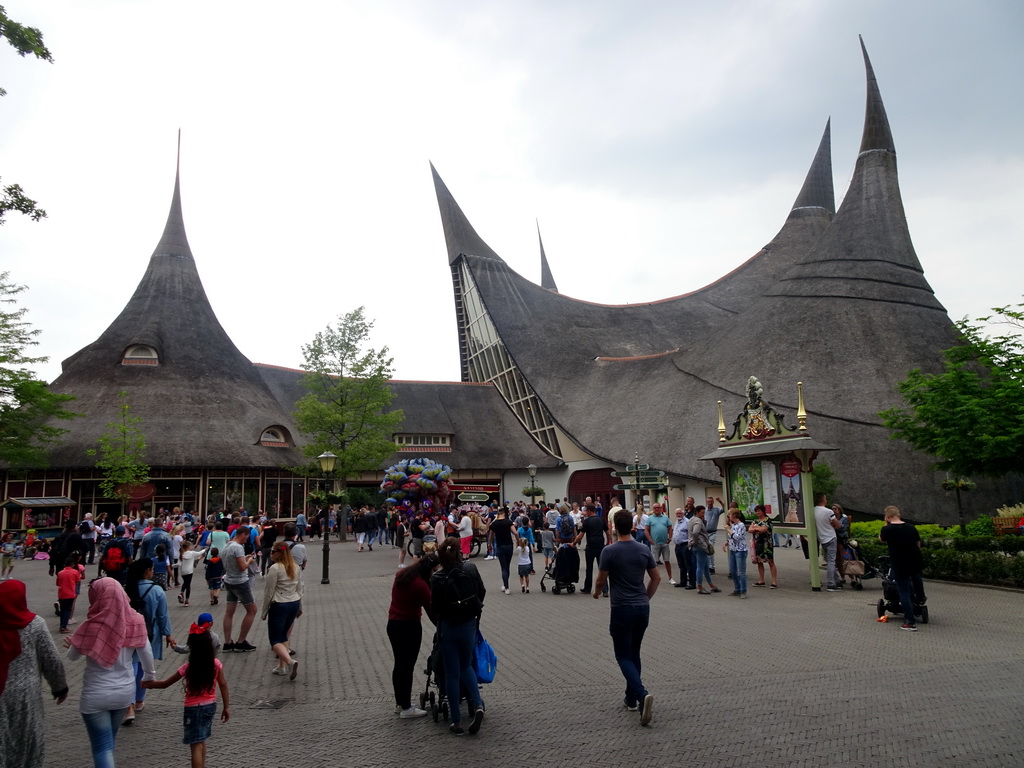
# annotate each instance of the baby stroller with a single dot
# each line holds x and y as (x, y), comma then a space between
(855, 566)
(434, 698)
(889, 602)
(564, 570)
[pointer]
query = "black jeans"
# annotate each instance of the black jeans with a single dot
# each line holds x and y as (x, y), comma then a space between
(186, 585)
(687, 565)
(593, 554)
(405, 637)
(504, 552)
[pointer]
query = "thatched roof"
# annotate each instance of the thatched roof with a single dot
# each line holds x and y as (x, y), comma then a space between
(547, 280)
(840, 303)
(203, 404)
(485, 434)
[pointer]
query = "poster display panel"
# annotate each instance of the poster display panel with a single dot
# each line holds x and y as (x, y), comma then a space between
(791, 495)
(746, 485)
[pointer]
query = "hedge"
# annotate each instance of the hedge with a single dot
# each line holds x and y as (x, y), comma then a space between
(971, 559)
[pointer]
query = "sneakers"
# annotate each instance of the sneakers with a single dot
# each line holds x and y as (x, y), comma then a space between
(294, 670)
(478, 719)
(909, 627)
(181, 597)
(456, 730)
(646, 709)
(631, 707)
(715, 589)
(833, 588)
(229, 647)
(527, 590)
(743, 595)
(244, 647)
(523, 588)
(279, 671)
(672, 582)
(505, 590)
(735, 593)
(411, 712)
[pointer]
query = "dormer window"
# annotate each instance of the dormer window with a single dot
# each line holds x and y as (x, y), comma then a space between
(421, 442)
(140, 354)
(275, 437)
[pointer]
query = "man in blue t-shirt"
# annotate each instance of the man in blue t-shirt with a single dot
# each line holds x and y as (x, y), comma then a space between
(623, 564)
(657, 533)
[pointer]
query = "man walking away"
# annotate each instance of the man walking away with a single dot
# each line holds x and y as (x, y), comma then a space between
(623, 564)
(906, 563)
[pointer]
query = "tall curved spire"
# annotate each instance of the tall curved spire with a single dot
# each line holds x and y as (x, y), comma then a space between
(877, 134)
(547, 280)
(459, 235)
(818, 191)
(173, 241)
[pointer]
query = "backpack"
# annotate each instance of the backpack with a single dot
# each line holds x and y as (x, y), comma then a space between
(462, 598)
(83, 527)
(114, 558)
(249, 547)
(139, 606)
(566, 527)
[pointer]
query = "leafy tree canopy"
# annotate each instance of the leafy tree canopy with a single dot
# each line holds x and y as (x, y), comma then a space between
(27, 406)
(970, 417)
(345, 409)
(25, 40)
(121, 451)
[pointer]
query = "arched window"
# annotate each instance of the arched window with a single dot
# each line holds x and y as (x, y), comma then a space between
(275, 437)
(140, 354)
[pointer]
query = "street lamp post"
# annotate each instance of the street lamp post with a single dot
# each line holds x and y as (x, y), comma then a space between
(326, 460)
(532, 469)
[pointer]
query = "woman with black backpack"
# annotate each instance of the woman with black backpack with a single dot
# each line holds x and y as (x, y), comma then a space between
(457, 597)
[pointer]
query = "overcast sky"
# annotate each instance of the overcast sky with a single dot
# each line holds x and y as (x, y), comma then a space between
(658, 144)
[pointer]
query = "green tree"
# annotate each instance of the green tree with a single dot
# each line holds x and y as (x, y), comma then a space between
(25, 40)
(121, 452)
(824, 479)
(970, 417)
(28, 408)
(345, 408)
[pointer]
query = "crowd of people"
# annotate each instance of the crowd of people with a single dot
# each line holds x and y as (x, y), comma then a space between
(140, 560)
(128, 627)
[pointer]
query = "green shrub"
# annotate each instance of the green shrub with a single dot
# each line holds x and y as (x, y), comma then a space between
(931, 531)
(868, 530)
(1016, 569)
(1011, 544)
(982, 526)
(975, 544)
(944, 564)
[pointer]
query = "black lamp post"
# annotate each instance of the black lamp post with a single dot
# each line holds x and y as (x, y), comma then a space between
(532, 470)
(326, 460)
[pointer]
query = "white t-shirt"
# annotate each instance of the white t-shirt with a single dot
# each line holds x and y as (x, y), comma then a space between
(188, 560)
(104, 689)
(465, 526)
(822, 519)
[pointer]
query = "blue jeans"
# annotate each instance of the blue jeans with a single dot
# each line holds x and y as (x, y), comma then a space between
(140, 692)
(828, 549)
(738, 569)
(504, 553)
(911, 591)
(687, 565)
(458, 649)
(102, 729)
(702, 572)
(627, 626)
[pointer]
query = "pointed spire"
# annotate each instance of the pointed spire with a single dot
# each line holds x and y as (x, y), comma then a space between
(877, 134)
(173, 242)
(459, 235)
(818, 191)
(547, 280)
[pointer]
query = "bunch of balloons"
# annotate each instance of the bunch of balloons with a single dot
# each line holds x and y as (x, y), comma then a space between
(412, 481)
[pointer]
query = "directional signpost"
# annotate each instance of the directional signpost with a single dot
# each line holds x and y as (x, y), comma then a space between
(639, 477)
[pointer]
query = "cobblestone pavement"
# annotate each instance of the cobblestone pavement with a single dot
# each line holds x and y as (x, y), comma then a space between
(788, 677)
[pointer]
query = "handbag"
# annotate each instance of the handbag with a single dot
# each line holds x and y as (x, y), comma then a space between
(486, 660)
(710, 548)
(853, 568)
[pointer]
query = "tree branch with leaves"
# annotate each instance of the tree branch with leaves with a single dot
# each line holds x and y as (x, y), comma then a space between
(28, 409)
(345, 410)
(121, 453)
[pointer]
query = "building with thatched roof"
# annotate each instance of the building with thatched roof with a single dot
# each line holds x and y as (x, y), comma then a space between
(837, 299)
(219, 430)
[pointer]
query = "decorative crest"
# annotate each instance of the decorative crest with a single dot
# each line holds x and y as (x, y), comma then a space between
(758, 421)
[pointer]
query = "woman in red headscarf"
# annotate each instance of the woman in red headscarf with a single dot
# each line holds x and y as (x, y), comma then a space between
(107, 640)
(27, 653)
